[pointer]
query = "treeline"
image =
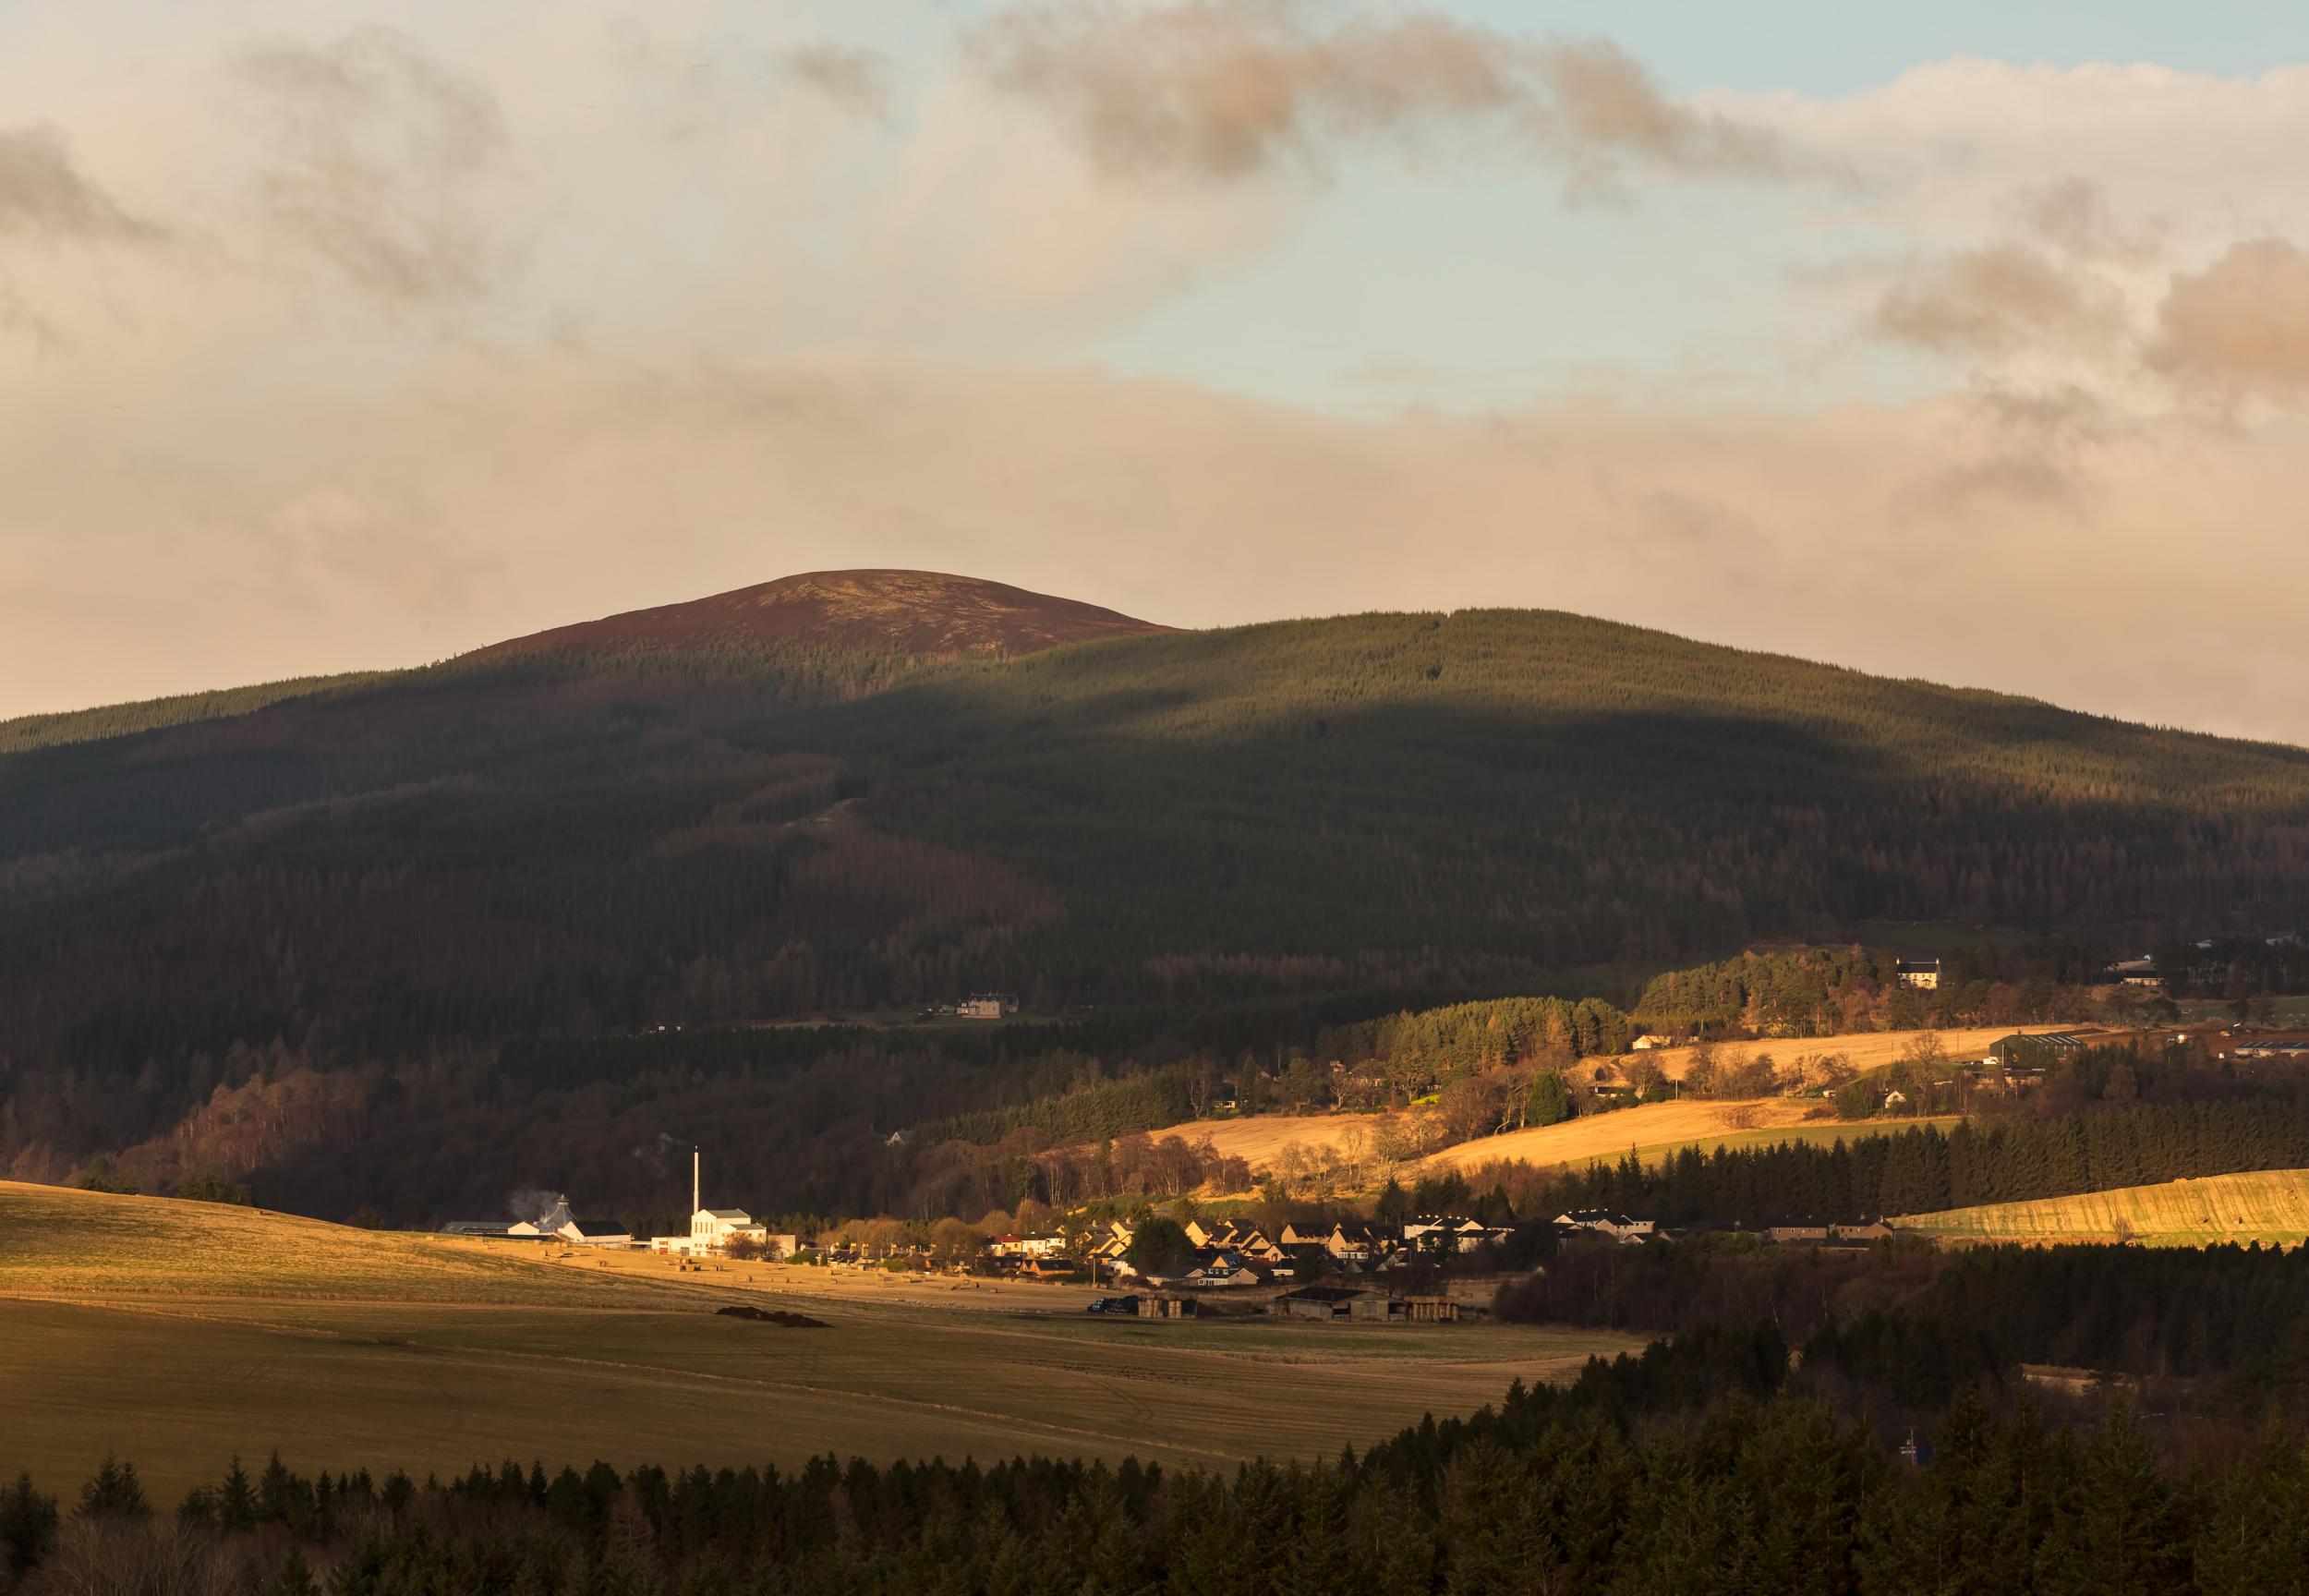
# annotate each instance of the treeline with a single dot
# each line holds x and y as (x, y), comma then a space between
(2236, 968)
(1414, 1053)
(1925, 1169)
(1816, 992)
(1688, 1469)
(1094, 1110)
(1920, 1325)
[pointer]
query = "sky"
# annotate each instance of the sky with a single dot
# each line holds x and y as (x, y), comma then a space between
(1967, 342)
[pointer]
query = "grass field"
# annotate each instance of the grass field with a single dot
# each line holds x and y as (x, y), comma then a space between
(177, 1333)
(1652, 1131)
(2269, 1206)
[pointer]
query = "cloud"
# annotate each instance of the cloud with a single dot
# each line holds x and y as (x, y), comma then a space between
(374, 150)
(44, 195)
(1999, 298)
(1225, 90)
(856, 77)
(2240, 327)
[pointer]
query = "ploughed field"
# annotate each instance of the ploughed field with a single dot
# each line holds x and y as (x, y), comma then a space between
(2269, 1205)
(177, 1333)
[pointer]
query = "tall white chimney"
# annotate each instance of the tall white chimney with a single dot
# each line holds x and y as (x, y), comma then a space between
(695, 1204)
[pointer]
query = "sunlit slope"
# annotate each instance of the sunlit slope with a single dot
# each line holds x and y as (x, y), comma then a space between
(61, 1243)
(2269, 1206)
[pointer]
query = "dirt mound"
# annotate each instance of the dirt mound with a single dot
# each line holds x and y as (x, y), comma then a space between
(902, 612)
(771, 1316)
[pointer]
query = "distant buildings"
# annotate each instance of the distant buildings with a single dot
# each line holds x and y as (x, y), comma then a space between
(987, 1006)
(1921, 973)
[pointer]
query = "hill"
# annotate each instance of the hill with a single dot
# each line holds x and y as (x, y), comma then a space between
(2267, 1206)
(393, 939)
(904, 612)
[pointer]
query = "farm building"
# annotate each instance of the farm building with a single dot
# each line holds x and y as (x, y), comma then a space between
(2022, 1048)
(1333, 1304)
(1924, 974)
(987, 1006)
(558, 1224)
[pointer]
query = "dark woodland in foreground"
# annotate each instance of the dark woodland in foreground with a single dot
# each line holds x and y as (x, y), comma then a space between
(1896, 1449)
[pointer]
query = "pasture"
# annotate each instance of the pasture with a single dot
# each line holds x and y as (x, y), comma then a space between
(126, 1328)
(2269, 1206)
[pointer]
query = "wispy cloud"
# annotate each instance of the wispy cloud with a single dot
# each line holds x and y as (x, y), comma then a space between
(44, 195)
(1223, 90)
(374, 145)
(850, 75)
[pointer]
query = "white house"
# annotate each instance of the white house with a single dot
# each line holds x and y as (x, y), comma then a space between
(1604, 1222)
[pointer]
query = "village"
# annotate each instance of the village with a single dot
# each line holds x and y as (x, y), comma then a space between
(1427, 1268)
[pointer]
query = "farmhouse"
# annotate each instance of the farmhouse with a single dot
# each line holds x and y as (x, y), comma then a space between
(1921, 973)
(987, 1006)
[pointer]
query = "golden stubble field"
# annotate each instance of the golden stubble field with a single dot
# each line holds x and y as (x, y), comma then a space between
(2267, 1206)
(178, 1334)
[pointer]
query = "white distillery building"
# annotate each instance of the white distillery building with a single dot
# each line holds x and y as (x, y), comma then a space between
(712, 1229)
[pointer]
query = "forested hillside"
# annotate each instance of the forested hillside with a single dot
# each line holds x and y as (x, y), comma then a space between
(396, 879)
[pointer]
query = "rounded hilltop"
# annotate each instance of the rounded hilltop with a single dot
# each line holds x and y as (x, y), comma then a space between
(910, 612)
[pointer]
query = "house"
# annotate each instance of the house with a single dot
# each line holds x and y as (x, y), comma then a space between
(1227, 1272)
(1357, 1242)
(1332, 1304)
(1647, 1042)
(1851, 1233)
(987, 1006)
(1604, 1222)
(2137, 973)
(1921, 973)
(1046, 1269)
(1048, 1245)
(1443, 1233)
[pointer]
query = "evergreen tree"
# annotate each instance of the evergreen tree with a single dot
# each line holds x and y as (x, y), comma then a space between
(114, 1493)
(28, 1526)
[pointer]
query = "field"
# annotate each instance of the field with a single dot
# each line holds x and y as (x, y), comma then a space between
(2267, 1206)
(178, 1334)
(1656, 1129)
(1863, 1051)
(1652, 1131)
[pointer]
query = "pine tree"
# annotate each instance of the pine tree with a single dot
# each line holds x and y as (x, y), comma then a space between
(28, 1526)
(114, 1492)
(236, 1499)
(294, 1578)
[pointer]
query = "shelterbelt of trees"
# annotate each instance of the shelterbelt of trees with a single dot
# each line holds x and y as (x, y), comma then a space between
(1712, 1462)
